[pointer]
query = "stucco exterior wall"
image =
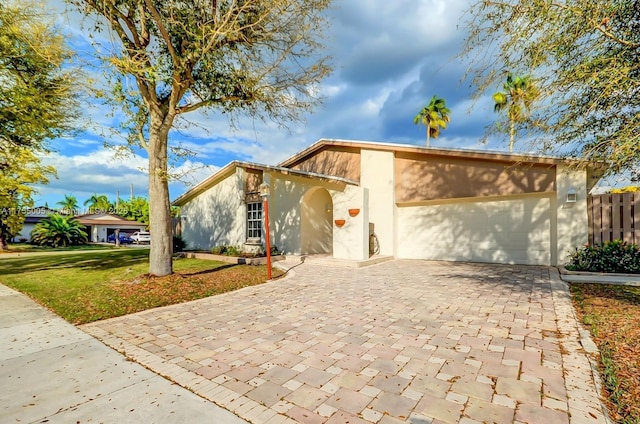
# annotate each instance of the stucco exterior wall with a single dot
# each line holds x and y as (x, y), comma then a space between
(351, 241)
(316, 235)
(572, 218)
(449, 178)
(515, 230)
(336, 161)
(25, 232)
(377, 175)
(217, 216)
(286, 213)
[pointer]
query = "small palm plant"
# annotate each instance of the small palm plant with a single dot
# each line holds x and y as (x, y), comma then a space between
(433, 116)
(517, 99)
(59, 231)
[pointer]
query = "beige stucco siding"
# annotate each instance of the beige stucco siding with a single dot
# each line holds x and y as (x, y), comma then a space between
(421, 177)
(517, 230)
(286, 212)
(573, 221)
(378, 178)
(337, 161)
(217, 216)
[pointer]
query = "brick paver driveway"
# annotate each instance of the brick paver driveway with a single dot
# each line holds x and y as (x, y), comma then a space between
(400, 341)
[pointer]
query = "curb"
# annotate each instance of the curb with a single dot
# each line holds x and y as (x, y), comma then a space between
(599, 277)
(580, 356)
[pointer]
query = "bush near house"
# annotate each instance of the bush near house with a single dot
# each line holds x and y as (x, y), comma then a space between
(612, 256)
(178, 244)
(236, 251)
(226, 250)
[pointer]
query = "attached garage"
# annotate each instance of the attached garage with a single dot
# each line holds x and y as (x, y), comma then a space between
(457, 204)
(465, 208)
(516, 230)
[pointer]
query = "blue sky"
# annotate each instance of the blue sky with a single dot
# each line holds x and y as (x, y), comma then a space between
(390, 58)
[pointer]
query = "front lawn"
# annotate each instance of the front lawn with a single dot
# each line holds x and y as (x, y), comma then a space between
(25, 247)
(86, 287)
(612, 314)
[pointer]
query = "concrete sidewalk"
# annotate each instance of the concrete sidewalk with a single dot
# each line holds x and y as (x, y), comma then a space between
(50, 371)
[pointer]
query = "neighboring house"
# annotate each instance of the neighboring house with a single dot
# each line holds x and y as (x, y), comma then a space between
(102, 225)
(99, 225)
(32, 217)
(420, 202)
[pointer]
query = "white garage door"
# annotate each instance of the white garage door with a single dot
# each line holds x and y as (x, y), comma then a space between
(516, 231)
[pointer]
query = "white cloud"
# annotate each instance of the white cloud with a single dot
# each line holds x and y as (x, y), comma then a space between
(102, 172)
(390, 58)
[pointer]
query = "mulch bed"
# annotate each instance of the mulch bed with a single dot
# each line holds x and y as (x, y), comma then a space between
(612, 314)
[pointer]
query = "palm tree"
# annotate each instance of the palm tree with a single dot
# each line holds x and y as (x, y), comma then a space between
(433, 117)
(57, 230)
(69, 204)
(517, 98)
(98, 204)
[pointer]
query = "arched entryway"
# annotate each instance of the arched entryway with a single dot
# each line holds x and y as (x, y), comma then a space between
(316, 229)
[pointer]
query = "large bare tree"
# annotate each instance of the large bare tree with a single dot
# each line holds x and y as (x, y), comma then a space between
(584, 56)
(172, 57)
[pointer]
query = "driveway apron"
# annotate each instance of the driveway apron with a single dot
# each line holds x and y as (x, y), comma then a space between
(417, 341)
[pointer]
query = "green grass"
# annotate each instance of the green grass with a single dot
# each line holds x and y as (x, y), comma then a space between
(24, 247)
(85, 287)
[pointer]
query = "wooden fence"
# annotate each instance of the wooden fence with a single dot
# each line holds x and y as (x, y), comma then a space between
(614, 216)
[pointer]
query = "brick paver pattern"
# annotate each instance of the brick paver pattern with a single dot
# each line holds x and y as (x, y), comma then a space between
(417, 341)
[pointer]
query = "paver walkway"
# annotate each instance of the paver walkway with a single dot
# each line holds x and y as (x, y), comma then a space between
(417, 341)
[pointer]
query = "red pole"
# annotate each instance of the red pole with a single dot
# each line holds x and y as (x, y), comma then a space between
(267, 236)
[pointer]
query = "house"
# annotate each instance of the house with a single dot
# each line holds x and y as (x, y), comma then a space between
(355, 198)
(98, 225)
(32, 216)
(102, 225)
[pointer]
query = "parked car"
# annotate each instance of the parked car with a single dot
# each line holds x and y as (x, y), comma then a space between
(124, 238)
(140, 237)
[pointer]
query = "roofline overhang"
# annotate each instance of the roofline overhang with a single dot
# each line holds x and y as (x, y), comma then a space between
(435, 151)
(229, 169)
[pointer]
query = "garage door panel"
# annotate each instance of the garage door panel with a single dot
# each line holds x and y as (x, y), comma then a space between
(506, 231)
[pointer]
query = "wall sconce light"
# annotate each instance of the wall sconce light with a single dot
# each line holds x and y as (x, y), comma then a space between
(572, 195)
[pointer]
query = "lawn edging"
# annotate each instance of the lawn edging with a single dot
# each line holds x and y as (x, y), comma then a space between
(599, 277)
(231, 259)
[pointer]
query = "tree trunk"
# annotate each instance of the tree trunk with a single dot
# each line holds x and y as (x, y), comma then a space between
(160, 256)
(427, 135)
(3, 243)
(512, 135)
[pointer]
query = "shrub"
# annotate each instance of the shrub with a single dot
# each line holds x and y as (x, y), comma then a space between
(219, 250)
(226, 250)
(612, 256)
(178, 244)
(236, 251)
(59, 231)
(275, 251)
(233, 251)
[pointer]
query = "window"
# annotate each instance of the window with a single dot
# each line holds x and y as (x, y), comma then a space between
(254, 221)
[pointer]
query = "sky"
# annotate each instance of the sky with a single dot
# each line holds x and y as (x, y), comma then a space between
(389, 57)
